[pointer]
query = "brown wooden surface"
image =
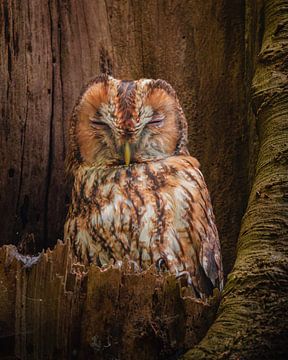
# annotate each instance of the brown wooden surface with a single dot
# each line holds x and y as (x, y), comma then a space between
(252, 320)
(51, 308)
(50, 49)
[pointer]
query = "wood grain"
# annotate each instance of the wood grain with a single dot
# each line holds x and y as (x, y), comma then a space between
(51, 308)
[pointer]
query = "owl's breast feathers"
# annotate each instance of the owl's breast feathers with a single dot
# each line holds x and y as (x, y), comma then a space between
(152, 210)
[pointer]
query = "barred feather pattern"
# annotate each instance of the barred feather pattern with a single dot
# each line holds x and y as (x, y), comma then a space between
(156, 208)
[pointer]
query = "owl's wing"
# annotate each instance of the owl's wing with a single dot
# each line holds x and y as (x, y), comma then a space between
(195, 225)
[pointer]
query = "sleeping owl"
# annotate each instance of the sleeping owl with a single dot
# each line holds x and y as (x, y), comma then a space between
(137, 192)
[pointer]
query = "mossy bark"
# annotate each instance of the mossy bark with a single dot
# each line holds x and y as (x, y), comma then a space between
(252, 321)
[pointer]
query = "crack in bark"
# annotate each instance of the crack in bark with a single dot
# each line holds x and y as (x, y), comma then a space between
(61, 80)
(110, 33)
(50, 150)
(23, 135)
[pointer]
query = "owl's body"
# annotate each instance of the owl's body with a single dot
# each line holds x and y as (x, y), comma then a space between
(137, 192)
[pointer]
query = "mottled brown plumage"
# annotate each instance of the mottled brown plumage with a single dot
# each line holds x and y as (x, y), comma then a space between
(137, 191)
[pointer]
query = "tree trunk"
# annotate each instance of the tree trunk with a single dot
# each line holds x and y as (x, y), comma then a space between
(54, 308)
(252, 323)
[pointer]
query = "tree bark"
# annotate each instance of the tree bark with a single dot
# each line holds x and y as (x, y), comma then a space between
(251, 323)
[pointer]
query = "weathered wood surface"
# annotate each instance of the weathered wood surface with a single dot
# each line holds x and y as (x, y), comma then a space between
(52, 308)
(49, 49)
(252, 322)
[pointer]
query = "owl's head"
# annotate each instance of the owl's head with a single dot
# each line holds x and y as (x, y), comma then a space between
(119, 122)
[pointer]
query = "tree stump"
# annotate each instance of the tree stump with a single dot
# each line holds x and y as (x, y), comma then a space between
(54, 308)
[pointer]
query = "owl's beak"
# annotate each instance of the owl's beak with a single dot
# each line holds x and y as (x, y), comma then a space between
(127, 153)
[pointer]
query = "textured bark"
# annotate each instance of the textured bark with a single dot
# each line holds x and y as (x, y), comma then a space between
(251, 323)
(49, 49)
(52, 308)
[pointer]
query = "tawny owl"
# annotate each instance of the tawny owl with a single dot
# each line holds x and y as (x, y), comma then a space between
(137, 191)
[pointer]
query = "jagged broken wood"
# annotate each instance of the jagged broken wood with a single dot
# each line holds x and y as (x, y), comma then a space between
(52, 307)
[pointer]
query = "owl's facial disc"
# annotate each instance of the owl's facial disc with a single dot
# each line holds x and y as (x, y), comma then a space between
(122, 122)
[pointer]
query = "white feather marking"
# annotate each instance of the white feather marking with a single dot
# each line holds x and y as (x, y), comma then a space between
(83, 238)
(108, 214)
(147, 226)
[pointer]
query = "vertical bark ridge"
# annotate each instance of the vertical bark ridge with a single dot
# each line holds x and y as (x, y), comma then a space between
(250, 322)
